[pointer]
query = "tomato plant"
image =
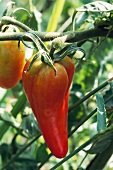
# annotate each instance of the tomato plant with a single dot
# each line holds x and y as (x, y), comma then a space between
(58, 28)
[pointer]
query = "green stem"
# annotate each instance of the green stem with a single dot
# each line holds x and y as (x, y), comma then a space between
(71, 36)
(89, 95)
(57, 10)
(19, 105)
(82, 121)
(9, 20)
(31, 5)
(82, 161)
(6, 93)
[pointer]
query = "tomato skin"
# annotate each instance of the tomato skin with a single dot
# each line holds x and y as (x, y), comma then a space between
(70, 68)
(47, 93)
(12, 62)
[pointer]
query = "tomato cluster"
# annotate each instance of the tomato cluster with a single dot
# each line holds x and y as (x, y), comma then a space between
(46, 89)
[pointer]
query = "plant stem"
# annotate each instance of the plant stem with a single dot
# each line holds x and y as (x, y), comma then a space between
(19, 105)
(9, 20)
(57, 10)
(82, 121)
(48, 36)
(31, 5)
(6, 93)
(71, 36)
(65, 25)
(89, 95)
(82, 161)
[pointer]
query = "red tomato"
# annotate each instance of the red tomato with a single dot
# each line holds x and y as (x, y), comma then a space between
(48, 92)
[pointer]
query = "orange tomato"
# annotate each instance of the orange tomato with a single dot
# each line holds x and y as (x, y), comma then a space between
(12, 62)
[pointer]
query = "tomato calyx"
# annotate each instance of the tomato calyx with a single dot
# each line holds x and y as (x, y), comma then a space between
(44, 58)
(51, 57)
(69, 50)
(47, 59)
(42, 51)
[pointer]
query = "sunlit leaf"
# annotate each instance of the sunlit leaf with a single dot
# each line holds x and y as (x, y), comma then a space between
(6, 117)
(79, 19)
(29, 125)
(101, 113)
(97, 6)
(93, 14)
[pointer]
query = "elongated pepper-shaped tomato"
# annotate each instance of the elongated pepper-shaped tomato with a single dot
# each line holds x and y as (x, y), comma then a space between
(48, 92)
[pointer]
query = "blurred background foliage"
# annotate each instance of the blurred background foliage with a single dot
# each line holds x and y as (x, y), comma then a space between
(18, 126)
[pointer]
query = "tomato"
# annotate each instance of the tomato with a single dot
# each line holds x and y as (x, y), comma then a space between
(48, 92)
(12, 62)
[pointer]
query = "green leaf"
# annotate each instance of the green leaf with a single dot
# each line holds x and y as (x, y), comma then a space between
(60, 168)
(41, 154)
(6, 117)
(20, 10)
(92, 14)
(102, 141)
(29, 125)
(101, 113)
(98, 6)
(38, 17)
(79, 19)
